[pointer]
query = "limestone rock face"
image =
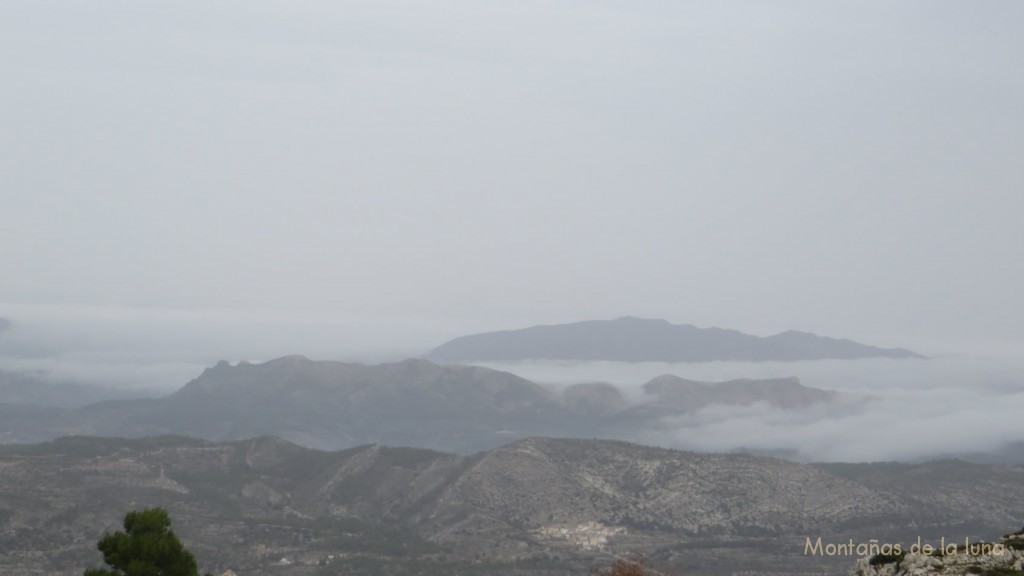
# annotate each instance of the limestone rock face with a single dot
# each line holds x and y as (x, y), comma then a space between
(1002, 556)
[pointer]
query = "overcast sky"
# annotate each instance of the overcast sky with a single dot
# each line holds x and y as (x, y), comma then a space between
(397, 173)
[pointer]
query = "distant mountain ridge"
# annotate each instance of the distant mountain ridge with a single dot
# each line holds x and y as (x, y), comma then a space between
(631, 339)
(334, 405)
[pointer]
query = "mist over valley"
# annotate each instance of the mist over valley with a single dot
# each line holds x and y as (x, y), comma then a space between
(858, 410)
(532, 288)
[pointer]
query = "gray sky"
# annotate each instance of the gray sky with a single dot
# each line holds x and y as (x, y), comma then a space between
(395, 173)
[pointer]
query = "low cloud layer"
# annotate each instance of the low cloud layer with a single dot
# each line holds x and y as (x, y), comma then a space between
(159, 350)
(901, 426)
(890, 409)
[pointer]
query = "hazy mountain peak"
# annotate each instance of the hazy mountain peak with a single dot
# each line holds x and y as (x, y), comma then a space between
(786, 393)
(636, 320)
(670, 380)
(595, 397)
(415, 365)
(327, 404)
(630, 339)
(291, 360)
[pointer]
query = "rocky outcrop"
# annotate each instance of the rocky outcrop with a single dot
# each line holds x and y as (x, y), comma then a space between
(1004, 557)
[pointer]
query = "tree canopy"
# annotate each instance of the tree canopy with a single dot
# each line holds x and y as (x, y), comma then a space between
(147, 547)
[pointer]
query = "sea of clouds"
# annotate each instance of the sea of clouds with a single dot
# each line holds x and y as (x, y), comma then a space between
(887, 409)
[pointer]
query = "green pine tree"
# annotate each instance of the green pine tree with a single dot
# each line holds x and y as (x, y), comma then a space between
(147, 547)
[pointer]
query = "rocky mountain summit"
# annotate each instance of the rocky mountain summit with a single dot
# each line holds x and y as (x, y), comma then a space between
(643, 340)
